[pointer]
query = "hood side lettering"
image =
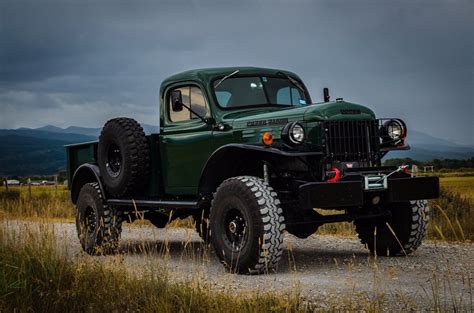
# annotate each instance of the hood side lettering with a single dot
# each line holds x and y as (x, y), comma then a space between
(350, 111)
(275, 121)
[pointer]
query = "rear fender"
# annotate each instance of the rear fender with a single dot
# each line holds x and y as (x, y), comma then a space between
(86, 173)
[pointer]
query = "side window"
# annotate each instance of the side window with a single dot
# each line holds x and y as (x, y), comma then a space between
(289, 96)
(193, 98)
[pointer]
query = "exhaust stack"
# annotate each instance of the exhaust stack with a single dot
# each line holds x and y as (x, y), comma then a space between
(326, 94)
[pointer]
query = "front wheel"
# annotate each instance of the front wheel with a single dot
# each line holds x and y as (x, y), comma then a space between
(247, 225)
(400, 235)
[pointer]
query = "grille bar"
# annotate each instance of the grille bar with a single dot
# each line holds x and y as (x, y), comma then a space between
(349, 141)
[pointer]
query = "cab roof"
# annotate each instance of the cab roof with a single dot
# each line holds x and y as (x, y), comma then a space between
(205, 75)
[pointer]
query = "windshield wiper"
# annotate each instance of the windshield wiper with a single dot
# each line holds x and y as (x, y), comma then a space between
(293, 81)
(225, 77)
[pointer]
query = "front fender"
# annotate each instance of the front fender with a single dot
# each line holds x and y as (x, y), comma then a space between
(226, 162)
(86, 173)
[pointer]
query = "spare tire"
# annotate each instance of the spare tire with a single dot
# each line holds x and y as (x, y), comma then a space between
(124, 157)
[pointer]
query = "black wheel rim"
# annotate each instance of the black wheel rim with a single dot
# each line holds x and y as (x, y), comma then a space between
(114, 160)
(90, 220)
(236, 229)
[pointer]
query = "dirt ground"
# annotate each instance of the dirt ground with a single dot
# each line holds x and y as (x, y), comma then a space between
(321, 268)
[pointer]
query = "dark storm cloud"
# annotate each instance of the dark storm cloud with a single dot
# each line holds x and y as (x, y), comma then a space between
(81, 62)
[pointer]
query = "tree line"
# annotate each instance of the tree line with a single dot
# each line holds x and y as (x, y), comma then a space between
(452, 164)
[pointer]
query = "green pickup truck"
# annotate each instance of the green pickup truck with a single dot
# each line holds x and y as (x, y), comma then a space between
(246, 153)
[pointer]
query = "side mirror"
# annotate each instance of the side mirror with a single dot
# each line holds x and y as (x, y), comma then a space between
(176, 100)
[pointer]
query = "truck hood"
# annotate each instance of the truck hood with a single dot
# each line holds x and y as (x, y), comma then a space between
(339, 110)
(261, 117)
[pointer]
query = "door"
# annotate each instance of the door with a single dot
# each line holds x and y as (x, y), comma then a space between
(185, 141)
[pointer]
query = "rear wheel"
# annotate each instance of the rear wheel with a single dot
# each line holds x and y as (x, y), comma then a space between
(247, 225)
(98, 225)
(400, 235)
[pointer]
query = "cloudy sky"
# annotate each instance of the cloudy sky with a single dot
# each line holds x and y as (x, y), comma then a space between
(81, 62)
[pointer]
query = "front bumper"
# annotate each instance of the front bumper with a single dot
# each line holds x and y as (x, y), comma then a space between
(352, 194)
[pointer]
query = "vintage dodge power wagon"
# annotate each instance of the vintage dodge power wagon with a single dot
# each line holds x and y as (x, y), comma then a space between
(246, 153)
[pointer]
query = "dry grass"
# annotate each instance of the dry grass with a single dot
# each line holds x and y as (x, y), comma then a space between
(451, 217)
(36, 274)
(464, 186)
(44, 202)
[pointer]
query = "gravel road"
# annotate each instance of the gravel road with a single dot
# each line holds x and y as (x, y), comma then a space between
(321, 268)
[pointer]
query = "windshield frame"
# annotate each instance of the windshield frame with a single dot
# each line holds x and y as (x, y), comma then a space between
(263, 105)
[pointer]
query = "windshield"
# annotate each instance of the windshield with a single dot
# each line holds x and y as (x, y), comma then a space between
(236, 92)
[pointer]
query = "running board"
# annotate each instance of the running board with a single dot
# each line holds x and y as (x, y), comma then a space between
(158, 204)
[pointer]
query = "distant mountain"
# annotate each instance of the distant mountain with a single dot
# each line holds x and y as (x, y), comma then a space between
(35, 152)
(425, 147)
(95, 132)
(40, 151)
(42, 134)
(49, 128)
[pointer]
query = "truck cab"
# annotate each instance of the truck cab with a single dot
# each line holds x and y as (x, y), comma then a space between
(245, 152)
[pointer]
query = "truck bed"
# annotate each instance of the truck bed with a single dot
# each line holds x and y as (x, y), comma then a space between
(86, 152)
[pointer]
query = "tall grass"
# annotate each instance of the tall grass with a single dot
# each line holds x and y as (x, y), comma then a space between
(37, 274)
(451, 217)
(464, 186)
(44, 202)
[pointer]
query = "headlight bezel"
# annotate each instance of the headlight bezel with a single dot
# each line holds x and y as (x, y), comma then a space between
(290, 137)
(388, 136)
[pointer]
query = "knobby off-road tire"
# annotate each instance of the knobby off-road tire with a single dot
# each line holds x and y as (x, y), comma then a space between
(409, 222)
(247, 225)
(123, 157)
(98, 225)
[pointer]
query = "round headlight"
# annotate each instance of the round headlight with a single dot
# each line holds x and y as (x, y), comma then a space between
(297, 134)
(293, 133)
(394, 130)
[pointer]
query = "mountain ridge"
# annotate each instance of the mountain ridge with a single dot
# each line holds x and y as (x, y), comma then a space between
(87, 131)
